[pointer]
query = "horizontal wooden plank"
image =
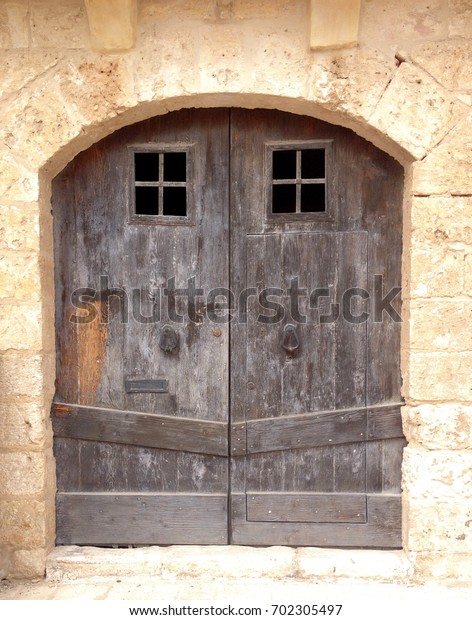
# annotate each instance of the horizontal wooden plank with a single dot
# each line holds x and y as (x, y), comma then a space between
(144, 519)
(140, 429)
(384, 422)
(306, 431)
(307, 507)
(382, 530)
(324, 428)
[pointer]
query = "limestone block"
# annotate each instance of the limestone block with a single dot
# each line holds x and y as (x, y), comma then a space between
(387, 25)
(28, 563)
(436, 270)
(435, 427)
(334, 24)
(415, 111)
(23, 422)
(453, 567)
(37, 124)
(448, 168)
(221, 58)
(26, 374)
(20, 326)
(19, 226)
(22, 474)
(439, 376)
(14, 26)
(314, 563)
(351, 81)
(61, 24)
(439, 526)
(440, 325)
(17, 181)
(169, 51)
(439, 475)
(468, 274)
(18, 68)
(95, 88)
(438, 219)
(22, 522)
(112, 24)
(460, 18)
(20, 277)
(447, 61)
(152, 11)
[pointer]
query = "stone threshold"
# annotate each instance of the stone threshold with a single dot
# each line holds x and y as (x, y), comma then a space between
(73, 563)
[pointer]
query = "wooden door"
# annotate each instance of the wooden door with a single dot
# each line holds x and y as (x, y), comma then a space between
(269, 242)
(141, 407)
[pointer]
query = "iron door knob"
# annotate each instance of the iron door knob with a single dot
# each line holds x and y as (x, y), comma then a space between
(290, 342)
(168, 339)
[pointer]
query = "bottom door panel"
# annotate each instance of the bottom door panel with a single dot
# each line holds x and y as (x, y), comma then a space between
(141, 518)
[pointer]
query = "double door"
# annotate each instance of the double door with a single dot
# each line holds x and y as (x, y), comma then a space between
(228, 325)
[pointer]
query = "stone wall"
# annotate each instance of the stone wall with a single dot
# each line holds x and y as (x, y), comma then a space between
(407, 87)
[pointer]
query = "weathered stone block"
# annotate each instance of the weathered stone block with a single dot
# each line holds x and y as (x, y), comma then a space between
(448, 62)
(441, 219)
(439, 475)
(19, 227)
(14, 26)
(454, 567)
(20, 326)
(439, 526)
(415, 111)
(17, 183)
(26, 374)
(35, 126)
(440, 325)
(448, 168)
(23, 422)
(60, 24)
(468, 274)
(28, 563)
(438, 427)
(22, 474)
(387, 25)
(22, 523)
(439, 376)
(19, 68)
(20, 277)
(351, 81)
(112, 24)
(95, 88)
(436, 270)
(460, 18)
(169, 61)
(334, 24)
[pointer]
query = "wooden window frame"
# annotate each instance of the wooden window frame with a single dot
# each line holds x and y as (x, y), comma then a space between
(307, 216)
(162, 220)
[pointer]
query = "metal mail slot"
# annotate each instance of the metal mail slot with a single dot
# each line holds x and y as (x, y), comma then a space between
(147, 386)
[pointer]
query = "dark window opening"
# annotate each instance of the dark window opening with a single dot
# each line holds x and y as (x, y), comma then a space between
(284, 164)
(298, 180)
(284, 199)
(147, 201)
(313, 164)
(160, 180)
(175, 201)
(312, 199)
(146, 166)
(175, 167)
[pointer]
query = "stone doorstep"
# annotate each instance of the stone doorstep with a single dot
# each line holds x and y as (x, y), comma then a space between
(73, 563)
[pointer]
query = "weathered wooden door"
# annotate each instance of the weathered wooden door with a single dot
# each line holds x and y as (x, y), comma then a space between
(228, 356)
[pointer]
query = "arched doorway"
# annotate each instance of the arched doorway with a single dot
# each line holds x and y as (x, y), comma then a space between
(228, 335)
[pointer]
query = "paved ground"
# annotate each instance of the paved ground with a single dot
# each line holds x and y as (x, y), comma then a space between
(440, 602)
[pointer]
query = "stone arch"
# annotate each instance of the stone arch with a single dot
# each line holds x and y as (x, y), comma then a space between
(71, 105)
